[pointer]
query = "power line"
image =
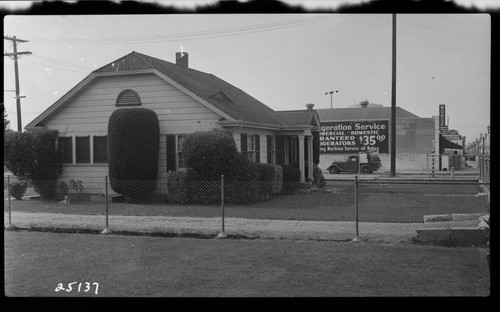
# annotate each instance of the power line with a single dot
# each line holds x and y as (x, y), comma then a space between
(445, 76)
(207, 34)
(60, 68)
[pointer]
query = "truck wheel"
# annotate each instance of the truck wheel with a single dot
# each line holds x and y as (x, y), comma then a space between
(366, 169)
(334, 170)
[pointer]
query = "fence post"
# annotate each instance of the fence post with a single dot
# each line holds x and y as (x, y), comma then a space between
(223, 233)
(356, 239)
(106, 229)
(10, 227)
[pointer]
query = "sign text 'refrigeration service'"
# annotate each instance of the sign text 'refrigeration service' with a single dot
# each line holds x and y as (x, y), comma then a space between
(354, 137)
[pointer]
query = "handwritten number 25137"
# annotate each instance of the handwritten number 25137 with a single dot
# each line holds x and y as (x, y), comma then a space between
(78, 287)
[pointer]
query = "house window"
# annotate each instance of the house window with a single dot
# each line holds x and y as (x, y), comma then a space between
(250, 146)
(180, 155)
(175, 156)
(65, 146)
(100, 149)
(271, 154)
(82, 150)
(128, 98)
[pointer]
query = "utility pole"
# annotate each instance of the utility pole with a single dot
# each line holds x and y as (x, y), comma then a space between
(393, 99)
(14, 41)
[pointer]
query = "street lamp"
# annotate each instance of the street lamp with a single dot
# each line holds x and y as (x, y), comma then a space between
(483, 137)
(489, 139)
(331, 96)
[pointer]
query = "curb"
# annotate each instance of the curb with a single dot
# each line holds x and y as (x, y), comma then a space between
(453, 217)
(457, 237)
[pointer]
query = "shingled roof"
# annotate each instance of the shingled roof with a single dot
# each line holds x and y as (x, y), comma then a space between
(226, 97)
(362, 113)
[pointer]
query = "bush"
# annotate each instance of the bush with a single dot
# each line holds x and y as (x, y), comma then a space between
(32, 156)
(244, 186)
(178, 187)
(61, 190)
(278, 179)
(291, 179)
(319, 179)
(133, 138)
(17, 189)
(211, 154)
(271, 179)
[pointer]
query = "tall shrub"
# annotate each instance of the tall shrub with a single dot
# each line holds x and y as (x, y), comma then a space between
(291, 179)
(133, 143)
(33, 156)
(210, 154)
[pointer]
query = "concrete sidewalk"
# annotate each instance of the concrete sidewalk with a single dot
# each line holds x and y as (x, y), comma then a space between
(236, 227)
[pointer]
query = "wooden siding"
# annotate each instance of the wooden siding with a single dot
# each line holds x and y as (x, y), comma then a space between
(89, 111)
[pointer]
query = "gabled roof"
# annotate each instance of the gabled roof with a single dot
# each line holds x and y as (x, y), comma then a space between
(226, 97)
(230, 101)
(362, 113)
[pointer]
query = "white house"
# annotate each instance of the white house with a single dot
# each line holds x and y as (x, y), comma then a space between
(185, 100)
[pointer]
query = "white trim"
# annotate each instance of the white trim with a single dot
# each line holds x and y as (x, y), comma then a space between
(73, 148)
(81, 85)
(91, 141)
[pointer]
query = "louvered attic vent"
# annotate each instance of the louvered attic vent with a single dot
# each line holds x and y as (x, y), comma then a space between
(128, 98)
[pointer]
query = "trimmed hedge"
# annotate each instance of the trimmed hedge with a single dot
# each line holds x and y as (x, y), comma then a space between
(211, 154)
(133, 145)
(291, 179)
(32, 156)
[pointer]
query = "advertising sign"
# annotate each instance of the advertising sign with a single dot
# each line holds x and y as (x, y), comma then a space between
(354, 137)
(442, 116)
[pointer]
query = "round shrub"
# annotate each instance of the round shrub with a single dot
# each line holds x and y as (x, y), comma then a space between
(32, 156)
(17, 189)
(211, 154)
(133, 145)
(178, 187)
(319, 179)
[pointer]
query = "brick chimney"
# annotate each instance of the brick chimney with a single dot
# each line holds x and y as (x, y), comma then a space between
(181, 59)
(310, 106)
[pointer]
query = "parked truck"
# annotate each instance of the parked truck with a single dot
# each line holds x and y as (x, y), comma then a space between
(362, 162)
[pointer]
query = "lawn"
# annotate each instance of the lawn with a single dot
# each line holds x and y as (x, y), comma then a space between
(131, 266)
(376, 203)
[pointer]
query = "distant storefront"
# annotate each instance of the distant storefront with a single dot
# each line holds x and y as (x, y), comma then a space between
(367, 127)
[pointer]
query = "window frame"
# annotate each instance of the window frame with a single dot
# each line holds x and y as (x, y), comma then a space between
(271, 149)
(96, 159)
(68, 149)
(85, 152)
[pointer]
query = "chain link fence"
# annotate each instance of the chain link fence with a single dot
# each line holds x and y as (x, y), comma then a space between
(338, 210)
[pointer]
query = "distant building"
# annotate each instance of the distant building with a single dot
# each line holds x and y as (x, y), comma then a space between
(367, 127)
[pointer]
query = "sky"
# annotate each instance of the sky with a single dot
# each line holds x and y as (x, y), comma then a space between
(283, 60)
